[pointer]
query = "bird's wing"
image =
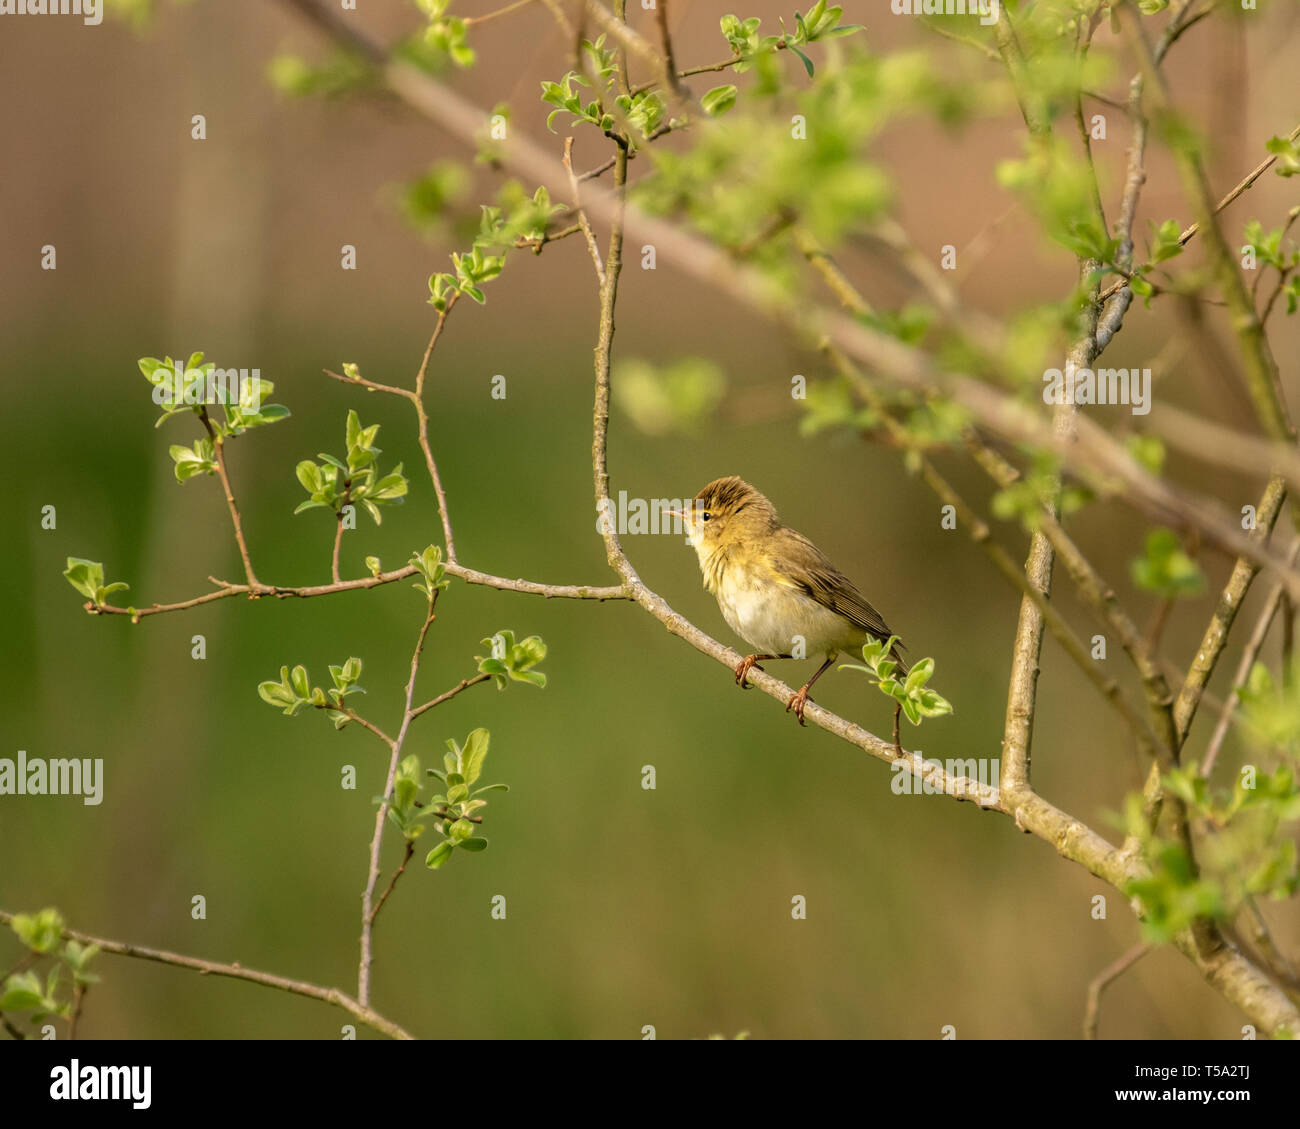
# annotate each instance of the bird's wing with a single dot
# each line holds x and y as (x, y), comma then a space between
(806, 567)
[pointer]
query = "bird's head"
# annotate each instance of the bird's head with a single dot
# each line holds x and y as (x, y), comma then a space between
(728, 511)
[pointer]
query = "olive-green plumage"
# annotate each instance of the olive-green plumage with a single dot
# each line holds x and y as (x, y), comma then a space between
(775, 588)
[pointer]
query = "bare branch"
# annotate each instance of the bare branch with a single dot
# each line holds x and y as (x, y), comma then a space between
(235, 971)
(1102, 981)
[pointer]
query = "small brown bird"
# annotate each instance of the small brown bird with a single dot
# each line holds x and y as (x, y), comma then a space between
(775, 588)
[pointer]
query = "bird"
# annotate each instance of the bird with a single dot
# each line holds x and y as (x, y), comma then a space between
(775, 588)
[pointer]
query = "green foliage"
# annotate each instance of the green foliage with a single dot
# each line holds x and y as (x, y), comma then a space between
(643, 110)
(429, 565)
(933, 424)
(565, 97)
(426, 200)
(1292, 291)
(1268, 247)
(294, 691)
(820, 22)
(23, 991)
(446, 34)
(87, 577)
(198, 387)
(735, 180)
(719, 100)
(1148, 451)
(343, 73)
(1249, 853)
(477, 265)
(910, 691)
(1287, 153)
(1165, 242)
(831, 404)
(1247, 856)
(41, 934)
(199, 459)
(334, 484)
(515, 216)
(1174, 895)
(1271, 712)
(1023, 500)
(676, 398)
(1055, 183)
(78, 957)
(454, 812)
(511, 661)
(1164, 245)
(1166, 569)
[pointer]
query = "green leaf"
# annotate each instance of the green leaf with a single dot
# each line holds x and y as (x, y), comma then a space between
(473, 844)
(87, 577)
(719, 100)
(22, 992)
(1166, 569)
(40, 932)
(474, 753)
(807, 62)
(440, 854)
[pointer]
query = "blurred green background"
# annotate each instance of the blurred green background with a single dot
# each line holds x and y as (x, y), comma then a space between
(626, 907)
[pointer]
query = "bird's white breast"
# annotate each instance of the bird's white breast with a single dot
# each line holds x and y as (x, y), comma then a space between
(769, 617)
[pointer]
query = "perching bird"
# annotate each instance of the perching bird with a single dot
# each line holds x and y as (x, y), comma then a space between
(775, 587)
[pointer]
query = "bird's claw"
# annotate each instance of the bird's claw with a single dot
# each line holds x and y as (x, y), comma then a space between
(743, 668)
(797, 703)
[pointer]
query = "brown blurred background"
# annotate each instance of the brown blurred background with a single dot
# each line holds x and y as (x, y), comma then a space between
(625, 907)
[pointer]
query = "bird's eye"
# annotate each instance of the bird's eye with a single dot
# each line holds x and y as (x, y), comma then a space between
(705, 516)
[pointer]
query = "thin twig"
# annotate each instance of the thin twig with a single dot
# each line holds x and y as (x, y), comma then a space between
(1253, 646)
(1234, 592)
(338, 532)
(377, 840)
(422, 421)
(219, 447)
(78, 999)
(665, 38)
(470, 21)
(470, 576)
(592, 247)
(1190, 232)
(1104, 979)
(406, 857)
(235, 971)
(464, 684)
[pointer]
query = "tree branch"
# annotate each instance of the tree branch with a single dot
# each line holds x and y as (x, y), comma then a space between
(366, 1015)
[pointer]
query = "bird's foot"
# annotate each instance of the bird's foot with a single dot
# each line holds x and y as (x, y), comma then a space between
(797, 703)
(898, 712)
(743, 668)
